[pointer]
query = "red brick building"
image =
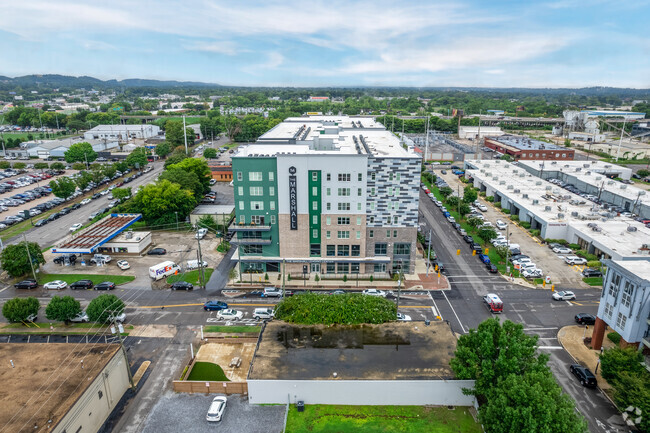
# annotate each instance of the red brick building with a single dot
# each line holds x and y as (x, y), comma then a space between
(519, 147)
(220, 171)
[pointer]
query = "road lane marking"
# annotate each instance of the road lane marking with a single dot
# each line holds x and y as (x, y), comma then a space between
(454, 311)
(434, 309)
(551, 347)
(194, 305)
(540, 329)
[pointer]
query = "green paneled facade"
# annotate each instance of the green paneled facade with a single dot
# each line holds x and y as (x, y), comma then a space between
(314, 213)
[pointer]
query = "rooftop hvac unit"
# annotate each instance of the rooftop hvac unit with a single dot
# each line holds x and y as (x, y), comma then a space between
(607, 165)
(553, 162)
(539, 182)
(482, 170)
(510, 187)
(560, 216)
(517, 191)
(547, 208)
(579, 169)
(599, 177)
(525, 195)
(610, 182)
(623, 186)
(574, 214)
(515, 171)
(566, 165)
(548, 188)
(631, 228)
(585, 165)
(502, 182)
(588, 172)
(596, 228)
(522, 175)
(535, 201)
(591, 225)
(645, 246)
(641, 192)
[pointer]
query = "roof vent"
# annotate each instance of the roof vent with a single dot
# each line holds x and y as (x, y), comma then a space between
(510, 187)
(574, 214)
(631, 229)
(539, 182)
(517, 191)
(502, 182)
(560, 216)
(547, 208)
(599, 177)
(623, 186)
(535, 201)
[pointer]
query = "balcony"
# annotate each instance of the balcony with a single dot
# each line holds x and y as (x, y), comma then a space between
(251, 241)
(249, 227)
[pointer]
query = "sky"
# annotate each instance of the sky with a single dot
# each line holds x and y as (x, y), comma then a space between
(307, 43)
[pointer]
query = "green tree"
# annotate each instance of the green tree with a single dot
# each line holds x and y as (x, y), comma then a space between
(210, 153)
(176, 157)
(464, 209)
(452, 202)
(19, 309)
(616, 360)
(506, 158)
(206, 221)
(643, 172)
(64, 187)
(4, 165)
(445, 191)
(186, 179)
(62, 308)
(57, 166)
(109, 170)
(41, 166)
(469, 194)
(163, 149)
(103, 307)
(80, 152)
(19, 165)
(502, 251)
(158, 202)
(174, 132)
(121, 193)
(122, 166)
(137, 157)
(487, 233)
(15, 258)
(83, 179)
(197, 166)
(475, 222)
(79, 166)
(76, 125)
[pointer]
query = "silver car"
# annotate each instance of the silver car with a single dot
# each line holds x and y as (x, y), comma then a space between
(217, 408)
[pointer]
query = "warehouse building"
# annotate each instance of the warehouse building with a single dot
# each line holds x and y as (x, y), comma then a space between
(472, 132)
(330, 193)
(56, 148)
(520, 148)
(122, 132)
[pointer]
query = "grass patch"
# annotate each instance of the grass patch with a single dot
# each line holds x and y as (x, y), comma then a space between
(207, 371)
(191, 276)
(384, 419)
(230, 329)
(96, 279)
(593, 281)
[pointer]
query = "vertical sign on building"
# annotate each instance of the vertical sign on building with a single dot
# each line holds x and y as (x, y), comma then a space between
(293, 199)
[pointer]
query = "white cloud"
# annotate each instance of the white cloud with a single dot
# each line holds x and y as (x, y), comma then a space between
(221, 47)
(97, 45)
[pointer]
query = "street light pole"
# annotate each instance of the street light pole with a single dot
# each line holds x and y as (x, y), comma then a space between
(201, 272)
(29, 256)
(399, 282)
(429, 254)
(176, 213)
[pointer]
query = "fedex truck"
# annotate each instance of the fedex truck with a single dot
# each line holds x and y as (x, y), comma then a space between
(163, 270)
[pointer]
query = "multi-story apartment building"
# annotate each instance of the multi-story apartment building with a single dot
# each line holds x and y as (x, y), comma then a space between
(625, 303)
(330, 193)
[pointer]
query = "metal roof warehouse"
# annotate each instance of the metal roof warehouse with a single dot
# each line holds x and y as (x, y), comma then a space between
(90, 239)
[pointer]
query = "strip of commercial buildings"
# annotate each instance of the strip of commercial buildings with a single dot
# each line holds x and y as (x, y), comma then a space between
(328, 195)
(521, 148)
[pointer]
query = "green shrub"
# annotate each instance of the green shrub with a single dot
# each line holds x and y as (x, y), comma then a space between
(535, 232)
(594, 264)
(506, 211)
(614, 337)
(574, 246)
(345, 278)
(524, 224)
(348, 309)
(556, 241)
(515, 218)
(490, 198)
(497, 205)
(317, 278)
(266, 277)
(586, 255)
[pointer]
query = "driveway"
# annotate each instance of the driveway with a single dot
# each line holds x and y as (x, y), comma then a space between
(186, 413)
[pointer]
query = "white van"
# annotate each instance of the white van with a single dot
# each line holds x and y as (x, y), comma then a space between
(194, 264)
(163, 270)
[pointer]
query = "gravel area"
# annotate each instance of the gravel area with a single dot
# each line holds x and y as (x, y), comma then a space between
(186, 413)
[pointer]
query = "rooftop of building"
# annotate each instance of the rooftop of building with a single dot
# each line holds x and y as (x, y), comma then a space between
(46, 381)
(118, 128)
(213, 209)
(89, 239)
(640, 269)
(328, 135)
(64, 142)
(390, 351)
(525, 143)
(130, 237)
(612, 113)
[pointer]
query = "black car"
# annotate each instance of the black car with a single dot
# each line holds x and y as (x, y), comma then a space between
(182, 285)
(476, 247)
(64, 211)
(157, 252)
(590, 272)
(106, 285)
(96, 195)
(75, 206)
(215, 306)
(40, 223)
(492, 268)
(468, 239)
(585, 319)
(82, 285)
(517, 257)
(26, 284)
(439, 264)
(584, 375)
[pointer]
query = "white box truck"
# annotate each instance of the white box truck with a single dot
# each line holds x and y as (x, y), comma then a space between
(163, 270)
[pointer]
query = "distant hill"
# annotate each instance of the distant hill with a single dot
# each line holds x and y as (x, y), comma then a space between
(66, 81)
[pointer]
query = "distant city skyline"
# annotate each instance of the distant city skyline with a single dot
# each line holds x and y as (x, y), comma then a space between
(333, 43)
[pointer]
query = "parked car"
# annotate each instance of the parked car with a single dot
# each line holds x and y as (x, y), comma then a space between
(106, 285)
(374, 292)
(482, 207)
(123, 264)
(564, 295)
(562, 250)
(82, 285)
(272, 292)
(55, 285)
(492, 268)
(501, 225)
(215, 306)
(200, 234)
(85, 201)
(584, 375)
(591, 272)
(263, 313)
(117, 318)
(575, 260)
(484, 258)
(182, 285)
(82, 317)
(403, 317)
(75, 227)
(229, 314)
(26, 284)
(157, 252)
(217, 408)
(585, 319)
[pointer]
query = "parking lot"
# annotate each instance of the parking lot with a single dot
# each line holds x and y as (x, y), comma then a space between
(172, 412)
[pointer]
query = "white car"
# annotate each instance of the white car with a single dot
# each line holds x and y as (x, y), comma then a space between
(81, 317)
(451, 219)
(486, 224)
(200, 234)
(522, 261)
(217, 408)
(104, 192)
(55, 285)
(123, 264)
(403, 317)
(575, 260)
(562, 250)
(482, 207)
(564, 296)
(501, 225)
(230, 314)
(263, 313)
(75, 227)
(531, 273)
(374, 292)
(85, 201)
(119, 318)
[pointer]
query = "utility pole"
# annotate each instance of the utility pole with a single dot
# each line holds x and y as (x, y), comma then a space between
(86, 159)
(284, 269)
(176, 213)
(399, 283)
(117, 327)
(201, 271)
(507, 248)
(620, 141)
(426, 142)
(29, 256)
(429, 253)
(185, 134)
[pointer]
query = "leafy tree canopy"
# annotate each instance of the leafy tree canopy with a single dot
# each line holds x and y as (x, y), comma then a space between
(186, 179)
(103, 307)
(163, 149)
(19, 309)
(197, 166)
(158, 202)
(64, 187)
(62, 308)
(80, 152)
(210, 153)
(15, 258)
(138, 156)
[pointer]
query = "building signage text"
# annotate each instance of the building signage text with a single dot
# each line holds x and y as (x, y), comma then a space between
(293, 199)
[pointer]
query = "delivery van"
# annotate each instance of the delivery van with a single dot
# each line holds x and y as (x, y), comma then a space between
(163, 270)
(493, 302)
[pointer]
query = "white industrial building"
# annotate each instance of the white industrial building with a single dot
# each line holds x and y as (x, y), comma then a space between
(586, 136)
(122, 132)
(473, 132)
(557, 213)
(56, 148)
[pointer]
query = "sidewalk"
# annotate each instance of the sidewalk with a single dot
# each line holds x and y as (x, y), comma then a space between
(571, 338)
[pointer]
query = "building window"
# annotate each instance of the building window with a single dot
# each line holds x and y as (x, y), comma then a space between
(343, 220)
(371, 233)
(314, 233)
(397, 190)
(358, 221)
(240, 190)
(372, 191)
(564, 155)
(387, 233)
(627, 294)
(402, 249)
(241, 205)
(356, 250)
(344, 177)
(272, 218)
(372, 220)
(537, 155)
(380, 267)
(390, 176)
(620, 321)
(394, 233)
(343, 234)
(329, 176)
(390, 190)
(342, 268)
(314, 219)
(239, 176)
(314, 176)
(360, 177)
(358, 234)
(314, 250)
(614, 285)
(372, 205)
(271, 190)
(328, 206)
(359, 192)
(397, 177)
(252, 249)
(372, 176)
(380, 249)
(331, 250)
(395, 219)
(329, 191)
(344, 206)
(314, 205)
(257, 205)
(359, 206)
(344, 192)
(256, 190)
(255, 176)
(328, 234)
(388, 220)
(609, 309)
(343, 250)
(242, 219)
(331, 268)
(328, 220)
(256, 219)
(272, 205)
(314, 191)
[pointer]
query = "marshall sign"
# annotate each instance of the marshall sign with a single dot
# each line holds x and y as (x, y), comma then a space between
(293, 199)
